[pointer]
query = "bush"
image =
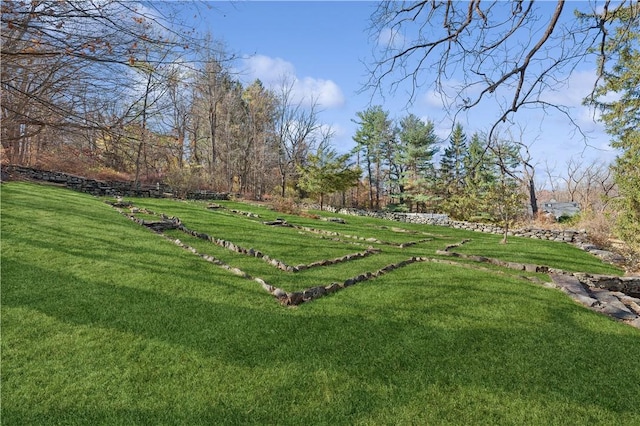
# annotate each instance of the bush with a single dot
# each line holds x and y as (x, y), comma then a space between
(569, 220)
(285, 205)
(185, 180)
(108, 174)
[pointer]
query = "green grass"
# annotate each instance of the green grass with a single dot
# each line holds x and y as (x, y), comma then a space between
(104, 322)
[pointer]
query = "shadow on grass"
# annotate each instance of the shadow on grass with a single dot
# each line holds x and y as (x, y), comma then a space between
(425, 339)
(371, 342)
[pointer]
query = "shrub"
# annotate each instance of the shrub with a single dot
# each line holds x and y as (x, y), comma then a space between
(285, 205)
(184, 180)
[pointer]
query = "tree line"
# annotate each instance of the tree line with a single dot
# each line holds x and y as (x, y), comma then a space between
(467, 180)
(117, 89)
(122, 89)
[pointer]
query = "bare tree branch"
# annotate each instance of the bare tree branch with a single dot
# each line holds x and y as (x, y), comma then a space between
(512, 54)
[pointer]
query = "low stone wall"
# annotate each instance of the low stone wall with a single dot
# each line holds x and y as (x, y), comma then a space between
(90, 186)
(569, 236)
(419, 218)
(208, 195)
(103, 188)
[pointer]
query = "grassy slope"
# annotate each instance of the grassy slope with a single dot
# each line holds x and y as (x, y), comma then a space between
(104, 322)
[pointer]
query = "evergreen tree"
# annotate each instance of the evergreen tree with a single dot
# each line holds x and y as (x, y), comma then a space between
(453, 173)
(622, 116)
(375, 129)
(417, 148)
(327, 172)
(452, 170)
(481, 174)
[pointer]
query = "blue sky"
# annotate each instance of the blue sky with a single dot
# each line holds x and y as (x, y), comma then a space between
(323, 46)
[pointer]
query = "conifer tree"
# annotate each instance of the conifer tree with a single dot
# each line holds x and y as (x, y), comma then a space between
(418, 146)
(622, 116)
(375, 129)
(327, 172)
(453, 173)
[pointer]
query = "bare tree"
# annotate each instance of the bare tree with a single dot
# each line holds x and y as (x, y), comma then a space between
(574, 178)
(258, 156)
(296, 126)
(64, 62)
(551, 177)
(589, 184)
(511, 53)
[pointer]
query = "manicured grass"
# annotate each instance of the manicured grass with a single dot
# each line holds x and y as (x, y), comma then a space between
(104, 322)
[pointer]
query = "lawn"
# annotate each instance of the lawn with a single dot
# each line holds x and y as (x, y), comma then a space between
(106, 322)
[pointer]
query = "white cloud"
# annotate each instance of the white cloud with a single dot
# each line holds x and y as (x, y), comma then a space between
(434, 99)
(573, 91)
(269, 70)
(390, 39)
(274, 71)
(326, 92)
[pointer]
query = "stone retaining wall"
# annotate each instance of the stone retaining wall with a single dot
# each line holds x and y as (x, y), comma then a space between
(102, 188)
(569, 236)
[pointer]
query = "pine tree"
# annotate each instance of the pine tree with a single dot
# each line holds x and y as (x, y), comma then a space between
(453, 173)
(452, 169)
(375, 129)
(481, 174)
(327, 172)
(418, 146)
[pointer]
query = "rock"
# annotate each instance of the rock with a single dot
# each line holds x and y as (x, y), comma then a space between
(530, 268)
(315, 292)
(335, 220)
(277, 292)
(612, 306)
(516, 266)
(570, 285)
(277, 222)
(635, 323)
(332, 288)
(608, 256)
(293, 299)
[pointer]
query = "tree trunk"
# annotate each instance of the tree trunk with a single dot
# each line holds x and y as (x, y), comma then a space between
(533, 198)
(284, 182)
(506, 231)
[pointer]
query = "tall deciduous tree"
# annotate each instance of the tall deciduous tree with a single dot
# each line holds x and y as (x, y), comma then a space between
(64, 63)
(505, 198)
(296, 128)
(259, 158)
